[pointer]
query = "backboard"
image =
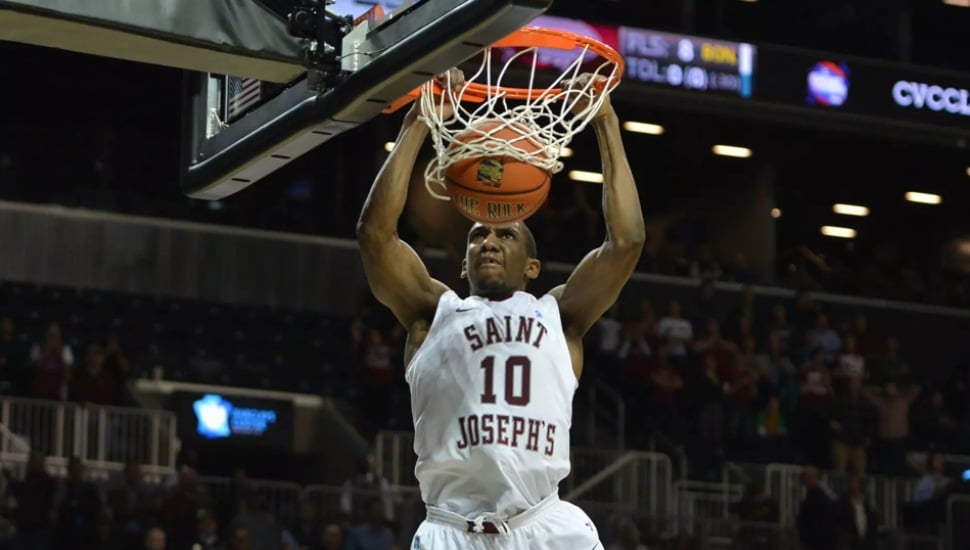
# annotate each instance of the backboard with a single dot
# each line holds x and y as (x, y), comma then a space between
(238, 130)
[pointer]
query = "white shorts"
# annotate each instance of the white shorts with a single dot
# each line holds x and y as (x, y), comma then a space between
(550, 525)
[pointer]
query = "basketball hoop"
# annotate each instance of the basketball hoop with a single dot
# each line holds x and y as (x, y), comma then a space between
(551, 113)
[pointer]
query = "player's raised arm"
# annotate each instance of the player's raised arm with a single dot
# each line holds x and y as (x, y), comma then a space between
(598, 279)
(395, 273)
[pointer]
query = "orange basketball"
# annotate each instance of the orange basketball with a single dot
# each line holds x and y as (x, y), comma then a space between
(497, 190)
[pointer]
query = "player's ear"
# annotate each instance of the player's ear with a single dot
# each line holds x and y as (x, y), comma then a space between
(532, 269)
(464, 268)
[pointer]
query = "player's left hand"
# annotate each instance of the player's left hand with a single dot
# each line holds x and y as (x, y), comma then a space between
(581, 85)
(454, 78)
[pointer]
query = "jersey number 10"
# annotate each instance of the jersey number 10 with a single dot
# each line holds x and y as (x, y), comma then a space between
(515, 365)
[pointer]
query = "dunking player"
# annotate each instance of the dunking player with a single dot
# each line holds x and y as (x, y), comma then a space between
(492, 376)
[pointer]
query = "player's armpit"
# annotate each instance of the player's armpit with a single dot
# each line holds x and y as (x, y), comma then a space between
(398, 277)
(598, 279)
(595, 285)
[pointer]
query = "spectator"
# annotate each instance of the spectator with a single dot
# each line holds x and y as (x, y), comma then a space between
(893, 406)
(240, 539)
(934, 425)
(724, 350)
(306, 529)
(78, 505)
(864, 343)
(779, 329)
(771, 423)
(816, 514)
(155, 539)
(207, 535)
(666, 383)
(333, 537)
(780, 376)
(628, 537)
(827, 339)
(366, 484)
(373, 534)
(705, 265)
(706, 306)
(933, 484)
(815, 392)
(94, 384)
(675, 332)
(708, 399)
(261, 526)
(757, 505)
(377, 374)
(851, 420)
(851, 363)
(35, 505)
(52, 362)
(234, 503)
(740, 386)
(117, 367)
(179, 511)
(131, 504)
(857, 521)
(889, 366)
(757, 510)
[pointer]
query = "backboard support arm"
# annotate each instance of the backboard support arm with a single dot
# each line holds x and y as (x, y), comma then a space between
(416, 45)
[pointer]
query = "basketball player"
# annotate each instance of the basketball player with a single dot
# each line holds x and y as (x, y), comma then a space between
(492, 376)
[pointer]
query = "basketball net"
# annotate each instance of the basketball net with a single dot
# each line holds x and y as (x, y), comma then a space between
(545, 117)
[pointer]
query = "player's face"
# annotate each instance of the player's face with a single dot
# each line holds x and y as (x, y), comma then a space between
(497, 260)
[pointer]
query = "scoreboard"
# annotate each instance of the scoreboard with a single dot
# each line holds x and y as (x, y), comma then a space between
(688, 62)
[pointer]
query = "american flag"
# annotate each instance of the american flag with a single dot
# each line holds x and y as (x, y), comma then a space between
(242, 93)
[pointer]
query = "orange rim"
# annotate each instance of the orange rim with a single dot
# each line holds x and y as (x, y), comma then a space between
(528, 37)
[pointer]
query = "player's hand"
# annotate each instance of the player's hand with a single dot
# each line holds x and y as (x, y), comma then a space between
(581, 87)
(454, 78)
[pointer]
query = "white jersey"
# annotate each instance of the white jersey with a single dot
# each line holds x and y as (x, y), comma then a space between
(491, 393)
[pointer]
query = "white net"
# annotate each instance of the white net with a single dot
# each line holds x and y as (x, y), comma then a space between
(543, 117)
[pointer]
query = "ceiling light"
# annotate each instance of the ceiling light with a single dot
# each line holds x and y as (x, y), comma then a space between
(389, 146)
(584, 176)
(850, 209)
(565, 152)
(968, 170)
(840, 232)
(643, 128)
(775, 213)
(923, 198)
(732, 151)
(959, 3)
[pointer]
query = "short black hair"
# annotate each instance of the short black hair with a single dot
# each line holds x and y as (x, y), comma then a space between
(531, 250)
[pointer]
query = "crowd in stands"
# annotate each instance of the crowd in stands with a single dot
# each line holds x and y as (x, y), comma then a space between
(786, 383)
(185, 512)
(749, 380)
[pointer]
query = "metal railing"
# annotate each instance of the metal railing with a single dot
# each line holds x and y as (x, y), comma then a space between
(958, 522)
(707, 499)
(394, 454)
(105, 438)
(886, 494)
(636, 481)
(395, 460)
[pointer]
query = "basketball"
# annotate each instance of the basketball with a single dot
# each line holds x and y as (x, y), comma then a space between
(497, 190)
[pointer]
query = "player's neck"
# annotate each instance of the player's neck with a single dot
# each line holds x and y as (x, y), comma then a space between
(499, 296)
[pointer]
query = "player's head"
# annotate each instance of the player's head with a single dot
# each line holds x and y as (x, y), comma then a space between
(500, 259)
